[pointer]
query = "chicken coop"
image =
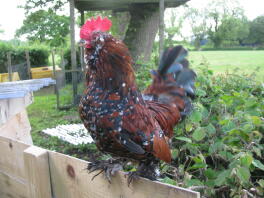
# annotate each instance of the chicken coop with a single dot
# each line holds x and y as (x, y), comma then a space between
(29, 171)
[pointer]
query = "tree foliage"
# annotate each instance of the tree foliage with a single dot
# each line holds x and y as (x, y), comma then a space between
(45, 26)
(173, 28)
(256, 35)
(198, 23)
(34, 5)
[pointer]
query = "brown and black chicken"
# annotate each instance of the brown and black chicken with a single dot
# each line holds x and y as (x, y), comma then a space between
(122, 121)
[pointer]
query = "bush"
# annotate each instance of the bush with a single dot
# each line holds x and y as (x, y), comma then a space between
(38, 55)
(219, 149)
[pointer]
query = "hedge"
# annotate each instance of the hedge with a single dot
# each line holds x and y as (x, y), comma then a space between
(38, 55)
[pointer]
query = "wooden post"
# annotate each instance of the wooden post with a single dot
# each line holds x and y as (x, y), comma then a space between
(37, 171)
(63, 67)
(55, 77)
(82, 58)
(81, 47)
(73, 52)
(9, 67)
(82, 17)
(161, 27)
(28, 64)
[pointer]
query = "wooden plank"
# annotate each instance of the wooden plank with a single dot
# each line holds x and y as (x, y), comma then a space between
(12, 187)
(10, 107)
(70, 179)
(122, 5)
(38, 174)
(19, 89)
(13, 180)
(11, 160)
(17, 128)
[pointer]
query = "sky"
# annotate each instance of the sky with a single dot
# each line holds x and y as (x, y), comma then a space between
(11, 17)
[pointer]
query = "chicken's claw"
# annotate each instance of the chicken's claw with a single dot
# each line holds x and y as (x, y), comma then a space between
(108, 167)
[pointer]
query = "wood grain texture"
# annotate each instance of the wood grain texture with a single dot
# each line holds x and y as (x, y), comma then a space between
(17, 128)
(11, 107)
(37, 170)
(70, 179)
(13, 180)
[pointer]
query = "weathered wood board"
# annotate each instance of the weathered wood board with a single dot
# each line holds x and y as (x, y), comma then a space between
(17, 128)
(13, 180)
(11, 107)
(37, 171)
(70, 179)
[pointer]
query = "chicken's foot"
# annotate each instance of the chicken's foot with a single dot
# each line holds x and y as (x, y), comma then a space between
(108, 167)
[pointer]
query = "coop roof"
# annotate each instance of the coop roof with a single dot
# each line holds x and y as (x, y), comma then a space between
(19, 89)
(121, 5)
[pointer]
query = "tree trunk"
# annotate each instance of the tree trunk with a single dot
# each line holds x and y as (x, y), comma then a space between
(142, 29)
(122, 20)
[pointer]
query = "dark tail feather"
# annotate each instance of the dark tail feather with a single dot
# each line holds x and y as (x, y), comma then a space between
(174, 62)
(171, 59)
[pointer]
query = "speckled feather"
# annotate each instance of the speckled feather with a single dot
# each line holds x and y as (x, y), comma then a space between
(112, 109)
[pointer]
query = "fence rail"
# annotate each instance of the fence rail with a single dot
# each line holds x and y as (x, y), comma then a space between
(32, 172)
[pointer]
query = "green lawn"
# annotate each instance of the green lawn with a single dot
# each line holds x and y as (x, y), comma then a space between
(221, 61)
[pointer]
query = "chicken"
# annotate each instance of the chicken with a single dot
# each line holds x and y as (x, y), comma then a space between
(122, 121)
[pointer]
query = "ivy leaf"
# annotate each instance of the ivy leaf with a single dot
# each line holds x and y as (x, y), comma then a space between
(196, 117)
(243, 174)
(261, 183)
(210, 129)
(258, 164)
(184, 139)
(246, 160)
(221, 178)
(168, 180)
(199, 134)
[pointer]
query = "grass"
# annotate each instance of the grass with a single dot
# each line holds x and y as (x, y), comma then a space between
(238, 61)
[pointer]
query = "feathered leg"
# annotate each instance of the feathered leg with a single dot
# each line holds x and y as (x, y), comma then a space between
(147, 169)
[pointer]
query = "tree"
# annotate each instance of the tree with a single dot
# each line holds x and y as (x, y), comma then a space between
(173, 27)
(1, 31)
(141, 31)
(233, 30)
(45, 26)
(226, 19)
(256, 35)
(198, 22)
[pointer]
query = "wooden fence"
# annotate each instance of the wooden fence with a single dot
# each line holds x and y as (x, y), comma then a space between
(31, 172)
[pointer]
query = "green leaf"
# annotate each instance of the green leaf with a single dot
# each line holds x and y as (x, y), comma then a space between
(261, 183)
(175, 153)
(258, 164)
(200, 92)
(197, 166)
(168, 180)
(256, 120)
(246, 160)
(243, 174)
(210, 173)
(221, 178)
(210, 129)
(198, 134)
(184, 139)
(188, 127)
(196, 117)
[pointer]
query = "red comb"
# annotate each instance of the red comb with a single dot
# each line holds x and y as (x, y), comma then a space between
(92, 25)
